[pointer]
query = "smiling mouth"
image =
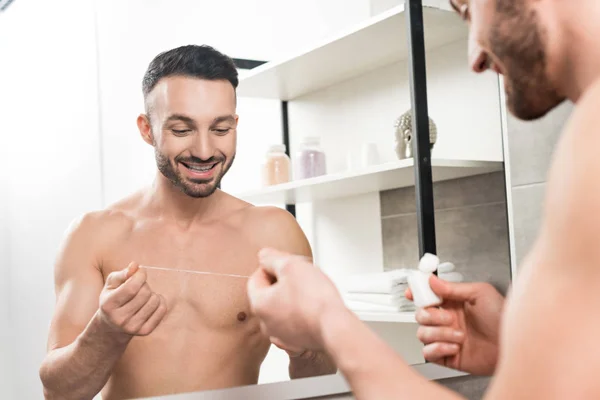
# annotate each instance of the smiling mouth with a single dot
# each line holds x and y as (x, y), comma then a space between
(198, 167)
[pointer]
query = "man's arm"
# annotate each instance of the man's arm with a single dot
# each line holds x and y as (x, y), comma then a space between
(280, 230)
(550, 334)
(93, 322)
(81, 352)
(373, 369)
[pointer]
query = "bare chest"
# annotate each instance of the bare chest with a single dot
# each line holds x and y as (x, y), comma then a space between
(188, 275)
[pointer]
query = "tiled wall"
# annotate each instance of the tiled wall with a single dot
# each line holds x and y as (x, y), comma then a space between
(530, 147)
(471, 231)
(471, 227)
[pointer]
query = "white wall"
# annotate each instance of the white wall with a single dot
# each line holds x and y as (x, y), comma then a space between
(49, 127)
(6, 381)
(131, 33)
(6, 337)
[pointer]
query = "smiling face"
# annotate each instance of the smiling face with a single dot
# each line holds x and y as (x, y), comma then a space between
(508, 37)
(192, 126)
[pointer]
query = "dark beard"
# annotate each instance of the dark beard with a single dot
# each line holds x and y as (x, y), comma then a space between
(517, 39)
(192, 189)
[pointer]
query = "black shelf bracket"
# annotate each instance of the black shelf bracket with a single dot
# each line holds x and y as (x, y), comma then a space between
(285, 124)
(244, 63)
(420, 118)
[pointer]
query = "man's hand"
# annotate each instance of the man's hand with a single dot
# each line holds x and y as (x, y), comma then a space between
(127, 304)
(292, 351)
(463, 333)
(293, 300)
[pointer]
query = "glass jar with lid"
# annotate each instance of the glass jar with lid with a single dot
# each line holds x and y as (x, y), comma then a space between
(276, 167)
(309, 160)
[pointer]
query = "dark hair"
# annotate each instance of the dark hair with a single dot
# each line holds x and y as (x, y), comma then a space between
(202, 62)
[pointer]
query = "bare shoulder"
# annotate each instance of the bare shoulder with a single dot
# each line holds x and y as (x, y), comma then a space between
(100, 223)
(572, 204)
(269, 226)
(276, 228)
(583, 128)
(549, 307)
(98, 227)
(267, 217)
(590, 100)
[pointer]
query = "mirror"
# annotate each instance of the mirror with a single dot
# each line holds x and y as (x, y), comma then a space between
(333, 95)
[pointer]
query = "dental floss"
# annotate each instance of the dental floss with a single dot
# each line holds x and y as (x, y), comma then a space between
(195, 272)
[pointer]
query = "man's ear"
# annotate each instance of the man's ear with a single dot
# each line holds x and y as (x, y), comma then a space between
(143, 123)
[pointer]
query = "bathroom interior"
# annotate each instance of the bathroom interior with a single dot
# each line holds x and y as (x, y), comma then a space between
(325, 114)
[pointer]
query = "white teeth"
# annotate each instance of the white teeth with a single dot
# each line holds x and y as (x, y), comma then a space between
(200, 169)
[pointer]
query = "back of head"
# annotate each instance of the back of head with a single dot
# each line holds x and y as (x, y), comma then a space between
(193, 61)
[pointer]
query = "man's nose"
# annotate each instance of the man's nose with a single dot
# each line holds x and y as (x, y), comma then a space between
(478, 59)
(203, 146)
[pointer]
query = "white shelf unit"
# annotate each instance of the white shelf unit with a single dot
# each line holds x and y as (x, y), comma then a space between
(378, 42)
(400, 317)
(341, 212)
(373, 179)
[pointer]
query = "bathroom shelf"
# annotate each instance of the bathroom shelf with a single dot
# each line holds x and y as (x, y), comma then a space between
(405, 317)
(351, 53)
(377, 178)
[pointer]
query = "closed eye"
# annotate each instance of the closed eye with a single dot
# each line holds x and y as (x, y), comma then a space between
(180, 131)
(222, 131)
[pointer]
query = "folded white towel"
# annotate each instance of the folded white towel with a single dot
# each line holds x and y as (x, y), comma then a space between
(378, 298)
(389, 282)
(445, 267)
(359, 306)
(451, 276)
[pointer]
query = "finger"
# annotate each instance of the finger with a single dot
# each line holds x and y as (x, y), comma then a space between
(453, 291)
(434, 317)
(259, 286)
(116, 279)
(134, 305)
(276, 341)
(155, 319)
(139, 319)
(127, 291)
(436, 351)
(291, 350)
(408, 294)
(432, 334)
(263, 329)
(273, 261)
(132, 269)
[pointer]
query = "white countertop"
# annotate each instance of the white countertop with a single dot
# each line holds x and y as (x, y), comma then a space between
(301, 388)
